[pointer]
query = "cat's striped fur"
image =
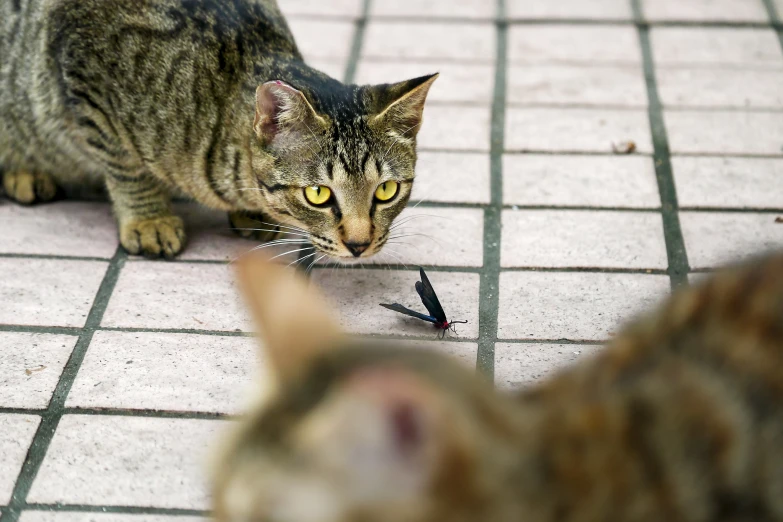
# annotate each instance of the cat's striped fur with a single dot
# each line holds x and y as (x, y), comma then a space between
(679, 419)
(159, 97)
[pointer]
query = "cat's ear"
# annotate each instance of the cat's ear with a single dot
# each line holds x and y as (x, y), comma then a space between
(400, 106)
(284, 117)
(294, 319)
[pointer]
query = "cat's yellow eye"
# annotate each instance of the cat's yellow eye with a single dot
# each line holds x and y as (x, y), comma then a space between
(318, 195)
(386, 191)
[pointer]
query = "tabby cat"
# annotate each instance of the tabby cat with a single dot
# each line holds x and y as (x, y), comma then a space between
(210, 99)
(680, 418)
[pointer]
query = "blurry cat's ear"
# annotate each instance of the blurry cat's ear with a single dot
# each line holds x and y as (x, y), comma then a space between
(400, 106)
(294, 319)
(284, 116)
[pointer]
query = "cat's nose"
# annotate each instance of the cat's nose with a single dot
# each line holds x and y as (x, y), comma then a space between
(356, 249)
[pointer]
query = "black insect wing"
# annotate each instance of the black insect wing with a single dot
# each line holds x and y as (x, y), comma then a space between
(407, 311)
(430, 299)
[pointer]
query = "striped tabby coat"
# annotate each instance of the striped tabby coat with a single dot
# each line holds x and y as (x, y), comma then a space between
(206, 98)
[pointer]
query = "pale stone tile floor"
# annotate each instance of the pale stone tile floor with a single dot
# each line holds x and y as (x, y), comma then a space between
(118, 374)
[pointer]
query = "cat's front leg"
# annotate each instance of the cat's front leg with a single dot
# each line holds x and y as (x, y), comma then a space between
(143, 209)
(28, 187)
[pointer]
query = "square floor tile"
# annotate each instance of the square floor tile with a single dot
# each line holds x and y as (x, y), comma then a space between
(575, 306)
(518, 365)
(744, 47)
(458, 82)
(430, 41)
(357, 294)
(479, 9)
(576, 85)
(347, 8)
(591, 181)
(323, 38)
(727, 132)
(452, 177)
(436, 237)
(30, 367)
(576, 130)
(728, 182)
(48, 292)
(170, 372)
(584, 239)
(705, 10)
(66, 228)
(127, 461)
(71, 516)
(569, 9)
(176, 295)
(694, 87)
(455, 127)
(211, 237)
(16, 435)
(714, 239)
(586, 44)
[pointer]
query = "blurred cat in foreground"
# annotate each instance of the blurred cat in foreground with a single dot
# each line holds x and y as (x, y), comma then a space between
(680, 418)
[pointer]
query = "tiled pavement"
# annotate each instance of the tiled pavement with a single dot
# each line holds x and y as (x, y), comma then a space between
(116, 373)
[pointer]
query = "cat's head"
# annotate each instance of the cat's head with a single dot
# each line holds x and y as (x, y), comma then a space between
(337, 161)
(352, 432)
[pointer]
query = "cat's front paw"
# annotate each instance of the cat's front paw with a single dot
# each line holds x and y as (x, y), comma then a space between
(28, 188)
(254, 226)
(153, 238)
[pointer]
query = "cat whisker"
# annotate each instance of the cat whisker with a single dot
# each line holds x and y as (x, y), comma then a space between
(393, 254)
(408, 219)
(278, 242)
(429, 193)
(300, 259)
(270, 230)
(290, 252)
(288, 227)
(417, 234)
(310, 268)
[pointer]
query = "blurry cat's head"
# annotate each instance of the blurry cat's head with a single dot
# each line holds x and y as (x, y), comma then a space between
(337, 161)
(353, 432)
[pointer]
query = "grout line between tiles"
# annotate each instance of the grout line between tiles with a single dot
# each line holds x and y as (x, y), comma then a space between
(434, 19)
(54, 330)
(358, 42)
(540, 152)
(53, 257)
(489, 285)
(118, 509)
(774, 18)
(422, 205)
(675, 243)
(54, 412)
(126, 412)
